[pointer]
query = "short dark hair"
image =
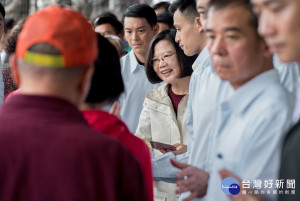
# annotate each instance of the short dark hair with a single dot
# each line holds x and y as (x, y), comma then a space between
(184, 61)
(10, 41)
(8, 24)
(166, 18)
(107, 83)
(116, 24)
(143, 11)
(186, 7)
(162, 4)
(221, 4)
(2, 10)
(106, 14)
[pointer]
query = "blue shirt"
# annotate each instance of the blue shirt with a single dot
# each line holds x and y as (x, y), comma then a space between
(248, 130)
(137, 86)
(289, 74)
(205, 90)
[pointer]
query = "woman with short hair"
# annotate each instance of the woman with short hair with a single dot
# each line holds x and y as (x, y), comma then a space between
(163, 118)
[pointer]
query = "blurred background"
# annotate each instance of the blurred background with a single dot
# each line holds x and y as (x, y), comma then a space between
(17, 9)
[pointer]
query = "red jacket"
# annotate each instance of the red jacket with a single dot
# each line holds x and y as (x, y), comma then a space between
(115, 127)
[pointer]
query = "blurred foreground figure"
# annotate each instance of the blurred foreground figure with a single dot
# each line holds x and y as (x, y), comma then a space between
(107, 78)
(48, 151)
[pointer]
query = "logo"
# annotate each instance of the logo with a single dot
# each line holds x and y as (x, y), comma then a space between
(230, 186)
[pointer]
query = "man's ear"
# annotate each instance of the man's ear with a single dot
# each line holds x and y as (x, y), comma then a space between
(155, 29)
(198, 24)
(14, 69)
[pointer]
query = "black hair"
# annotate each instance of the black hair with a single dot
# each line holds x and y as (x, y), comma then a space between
(185, 62)
(220, 4)
(2, 10)
(186, 7)
(10, 42)
(162, 4)
(116, 24)
(166, 18)
(106, 14)
(143, 11)
(107, 83)
(8, 24)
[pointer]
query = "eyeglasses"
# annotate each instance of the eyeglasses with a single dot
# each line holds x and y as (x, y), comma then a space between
(165, 58)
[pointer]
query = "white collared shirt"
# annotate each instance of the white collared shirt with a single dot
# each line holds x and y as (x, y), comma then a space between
(248, 131)
(205, 91)
(137, 86)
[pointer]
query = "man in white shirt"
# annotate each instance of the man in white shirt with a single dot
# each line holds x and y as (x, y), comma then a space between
(247, 116)
(140, 25)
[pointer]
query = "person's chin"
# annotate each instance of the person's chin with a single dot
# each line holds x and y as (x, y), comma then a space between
(188, 52)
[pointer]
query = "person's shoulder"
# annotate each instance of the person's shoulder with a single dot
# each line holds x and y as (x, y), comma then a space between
(115, 127)
(125, 58)
(92, 137)
(158, 93)
(276, 96)
(105, 146)
(136, 145)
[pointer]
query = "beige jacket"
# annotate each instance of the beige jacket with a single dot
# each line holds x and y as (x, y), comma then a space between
(158, 122)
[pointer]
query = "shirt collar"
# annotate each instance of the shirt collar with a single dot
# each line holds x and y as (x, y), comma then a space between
(247, 93)
(201, 60)
(134, 63)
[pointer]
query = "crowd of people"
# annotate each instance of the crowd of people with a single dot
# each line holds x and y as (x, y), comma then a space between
(193, 100)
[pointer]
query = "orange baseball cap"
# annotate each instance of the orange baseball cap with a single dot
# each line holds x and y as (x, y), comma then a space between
(65, 29)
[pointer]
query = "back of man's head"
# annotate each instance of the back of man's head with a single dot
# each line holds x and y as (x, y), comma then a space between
(164, 5)
(8, 24)
(116, 24)
(57, 44)
(141, 11)
(166, 18)
(2, 10)
(186, 7)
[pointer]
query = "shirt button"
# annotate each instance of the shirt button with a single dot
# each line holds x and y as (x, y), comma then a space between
(220, 156)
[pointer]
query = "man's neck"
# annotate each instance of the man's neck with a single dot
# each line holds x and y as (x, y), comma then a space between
(203, 43)
(140, 58)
